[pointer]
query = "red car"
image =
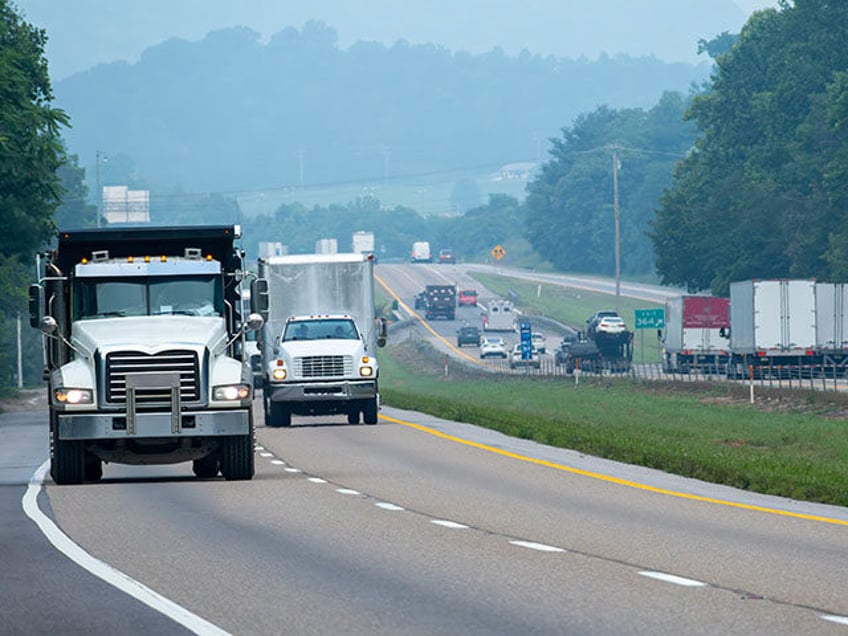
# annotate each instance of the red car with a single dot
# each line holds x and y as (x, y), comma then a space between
(468, 297)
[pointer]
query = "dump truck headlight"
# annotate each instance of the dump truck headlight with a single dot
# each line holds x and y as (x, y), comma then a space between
(366, 371)
(73, 396)
(278, 373)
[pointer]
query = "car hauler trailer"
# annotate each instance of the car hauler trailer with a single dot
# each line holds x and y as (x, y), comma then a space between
(143, 347)
(320, 336)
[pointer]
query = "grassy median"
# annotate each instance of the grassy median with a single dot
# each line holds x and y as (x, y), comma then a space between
(793, 444)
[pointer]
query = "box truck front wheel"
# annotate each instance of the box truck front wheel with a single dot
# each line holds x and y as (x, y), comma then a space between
(237, 457)
(280, 415)
(369, 411)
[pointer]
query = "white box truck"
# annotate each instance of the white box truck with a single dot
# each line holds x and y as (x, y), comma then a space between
(421, 252)
(319, 342)
(772, 327)
(363, 243)
(500, 315)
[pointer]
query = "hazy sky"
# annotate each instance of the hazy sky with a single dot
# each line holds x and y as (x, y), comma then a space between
(84, 33)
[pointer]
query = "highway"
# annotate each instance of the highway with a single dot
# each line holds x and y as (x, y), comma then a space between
(414, 526)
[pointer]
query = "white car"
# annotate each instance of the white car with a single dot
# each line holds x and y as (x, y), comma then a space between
(492, 347)
(611, 324)
(533, 361)
(539, 341)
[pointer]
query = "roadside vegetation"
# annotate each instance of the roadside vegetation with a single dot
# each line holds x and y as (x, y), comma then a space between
(792, 443)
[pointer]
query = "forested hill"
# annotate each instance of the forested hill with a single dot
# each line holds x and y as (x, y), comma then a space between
(233, 113)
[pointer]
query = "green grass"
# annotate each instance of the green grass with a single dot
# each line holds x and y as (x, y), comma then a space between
(572, 307)
(703, 434)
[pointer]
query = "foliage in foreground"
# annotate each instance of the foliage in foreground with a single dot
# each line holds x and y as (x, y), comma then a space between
(799, 450)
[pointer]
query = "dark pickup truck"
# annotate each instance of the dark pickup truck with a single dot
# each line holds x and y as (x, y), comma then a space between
(468, 336)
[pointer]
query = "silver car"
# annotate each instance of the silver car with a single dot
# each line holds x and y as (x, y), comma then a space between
(492, 347)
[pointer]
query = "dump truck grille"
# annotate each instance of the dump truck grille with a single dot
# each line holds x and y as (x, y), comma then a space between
(121, 363)
(323, 366)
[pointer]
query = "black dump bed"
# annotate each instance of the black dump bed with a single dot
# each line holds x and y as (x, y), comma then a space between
(217, 240)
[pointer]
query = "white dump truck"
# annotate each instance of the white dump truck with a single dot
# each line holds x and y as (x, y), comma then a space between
(320, 337)
(144, 341)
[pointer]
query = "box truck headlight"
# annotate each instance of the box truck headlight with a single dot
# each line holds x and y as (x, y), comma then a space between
(230, 392)
(73, 396)
(366, 370)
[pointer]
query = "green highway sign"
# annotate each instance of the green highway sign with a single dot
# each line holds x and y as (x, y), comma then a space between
(650, 318)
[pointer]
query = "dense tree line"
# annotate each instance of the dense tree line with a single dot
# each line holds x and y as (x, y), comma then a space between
(31, 154)
(764, 192)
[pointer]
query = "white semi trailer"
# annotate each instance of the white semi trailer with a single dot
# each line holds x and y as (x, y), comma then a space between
(319, 342)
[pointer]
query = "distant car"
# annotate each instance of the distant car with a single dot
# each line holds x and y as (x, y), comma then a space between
(611, 325)
(468, 336)
(539, 341)
(492, 347)
(468, 297)
(595, 318)
(516, 360)
(447, 256)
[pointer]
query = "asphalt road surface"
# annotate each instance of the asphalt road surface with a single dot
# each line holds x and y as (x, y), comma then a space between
(413, 526)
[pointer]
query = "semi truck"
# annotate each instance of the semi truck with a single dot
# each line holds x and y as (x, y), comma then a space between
(440, 302)
(319, 338)
(694, 336)
(144, 342)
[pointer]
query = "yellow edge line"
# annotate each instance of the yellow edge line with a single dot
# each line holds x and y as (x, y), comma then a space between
(614, 480)
(427, 326)
(578, 471)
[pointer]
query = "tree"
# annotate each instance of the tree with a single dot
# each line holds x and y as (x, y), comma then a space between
(30, 147)
(74, 210)
(766, 179)
(570, 207)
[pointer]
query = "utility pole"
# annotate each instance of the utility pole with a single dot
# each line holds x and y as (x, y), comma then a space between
(20, 356)
(101, 157)
(617, 236)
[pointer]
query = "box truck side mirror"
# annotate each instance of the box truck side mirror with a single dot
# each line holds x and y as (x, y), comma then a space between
(382, 333)
(259, 302)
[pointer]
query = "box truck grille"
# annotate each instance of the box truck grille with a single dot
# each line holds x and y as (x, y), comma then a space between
(121, 363)
(323, 366)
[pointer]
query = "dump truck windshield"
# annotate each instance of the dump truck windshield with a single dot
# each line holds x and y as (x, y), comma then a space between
(323, 329)
(152, 296)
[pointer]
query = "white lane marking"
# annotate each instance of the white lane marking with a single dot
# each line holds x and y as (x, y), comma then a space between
(293, 470)
(317, 480)
(670, 578)
(278, 462)
(448, 524)
(266, 454)
(259, 448)
(347, 491)
(842, 620)
(541, 547)
(388, 506)
(104, 571)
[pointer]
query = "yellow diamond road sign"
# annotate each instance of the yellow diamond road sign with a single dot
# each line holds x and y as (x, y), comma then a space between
(498, 252)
